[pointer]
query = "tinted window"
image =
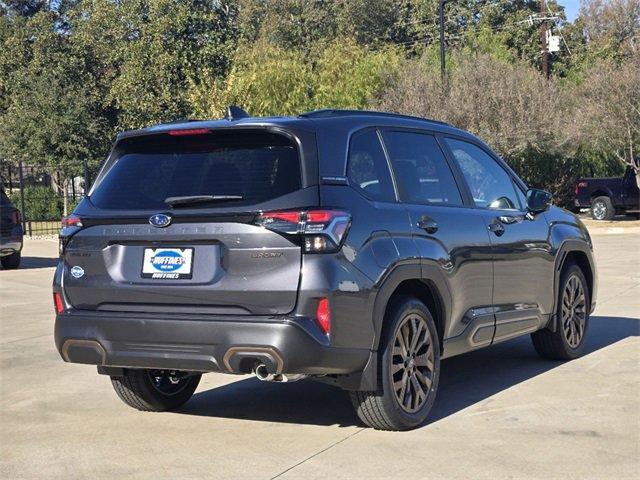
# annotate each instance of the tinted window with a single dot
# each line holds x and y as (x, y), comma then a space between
(490, 185)
(367, 167)
(421, 170)
(256, 166)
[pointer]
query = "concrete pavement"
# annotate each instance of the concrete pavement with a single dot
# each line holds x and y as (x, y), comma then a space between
(500, 412)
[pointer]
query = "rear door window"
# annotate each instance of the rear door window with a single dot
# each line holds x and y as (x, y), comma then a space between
(422, 172)
(367, 167)
(256, 166)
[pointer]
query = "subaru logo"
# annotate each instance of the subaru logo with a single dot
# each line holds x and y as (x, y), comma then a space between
(160, 220)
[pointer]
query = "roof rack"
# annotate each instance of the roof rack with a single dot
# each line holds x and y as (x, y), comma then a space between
(328, 112)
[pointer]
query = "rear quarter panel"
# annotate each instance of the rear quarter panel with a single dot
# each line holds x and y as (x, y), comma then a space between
(567, 233)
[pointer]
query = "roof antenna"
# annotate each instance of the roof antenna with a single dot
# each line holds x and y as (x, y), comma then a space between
(236, 113)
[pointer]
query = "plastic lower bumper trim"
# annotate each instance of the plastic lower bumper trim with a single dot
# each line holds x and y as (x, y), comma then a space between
(217, 345)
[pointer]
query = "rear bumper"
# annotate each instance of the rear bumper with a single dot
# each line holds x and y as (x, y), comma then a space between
(229, 345)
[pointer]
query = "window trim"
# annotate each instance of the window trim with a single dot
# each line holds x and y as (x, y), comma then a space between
(516, 182)
(454, 172)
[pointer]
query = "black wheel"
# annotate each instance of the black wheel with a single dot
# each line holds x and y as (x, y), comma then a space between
(10, 262)
(409, 370)
(155, 390)
(572, 314)
(602, 208)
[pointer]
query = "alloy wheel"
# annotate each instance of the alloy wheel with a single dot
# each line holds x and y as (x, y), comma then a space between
(599, 210)
(574, 311)
(412, 363)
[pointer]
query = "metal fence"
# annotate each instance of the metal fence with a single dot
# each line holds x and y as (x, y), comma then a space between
(41, 196)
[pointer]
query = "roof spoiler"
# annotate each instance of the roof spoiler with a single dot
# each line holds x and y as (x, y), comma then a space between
(236, 113)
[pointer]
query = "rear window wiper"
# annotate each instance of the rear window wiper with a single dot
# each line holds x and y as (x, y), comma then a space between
(195, 199)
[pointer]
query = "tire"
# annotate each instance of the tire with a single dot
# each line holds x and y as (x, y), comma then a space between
(11, 262)
(602, 209)
(560, 345)
(382, 409)
(141, 390)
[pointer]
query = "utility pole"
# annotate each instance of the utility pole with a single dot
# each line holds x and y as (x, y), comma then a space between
(443, 71)
(543, 38)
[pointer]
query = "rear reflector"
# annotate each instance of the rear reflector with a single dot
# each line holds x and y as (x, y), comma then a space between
(323, 316)
(189, 131)
(57, 302)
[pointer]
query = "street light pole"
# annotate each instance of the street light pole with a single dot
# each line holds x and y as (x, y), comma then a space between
(443, 72)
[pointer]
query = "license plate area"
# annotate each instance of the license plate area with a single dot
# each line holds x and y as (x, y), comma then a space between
(167, 263)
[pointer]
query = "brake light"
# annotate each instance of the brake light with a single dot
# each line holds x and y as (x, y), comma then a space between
(71, 221)
(323, 316)
(323, 231)
(579, 186)
(57, 302)
(188, 131)
(16, 217)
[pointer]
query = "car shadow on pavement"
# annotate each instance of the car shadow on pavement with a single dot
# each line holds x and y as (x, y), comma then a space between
(464, 381)
(37, 262)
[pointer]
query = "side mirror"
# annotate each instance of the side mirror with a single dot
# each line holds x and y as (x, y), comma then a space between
(538, 200)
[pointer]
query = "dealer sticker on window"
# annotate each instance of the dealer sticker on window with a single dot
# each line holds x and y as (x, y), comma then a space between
(167, 263)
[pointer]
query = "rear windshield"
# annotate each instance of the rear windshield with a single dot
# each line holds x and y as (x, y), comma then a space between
(256, 166)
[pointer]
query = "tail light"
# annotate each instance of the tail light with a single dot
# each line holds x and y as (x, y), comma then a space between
(70, 225)
(580, 185)
(323, 316)
(57, 302)
(323, 231)
(71, 221)
(16, 217)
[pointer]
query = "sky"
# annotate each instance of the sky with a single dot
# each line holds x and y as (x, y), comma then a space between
(571, 8)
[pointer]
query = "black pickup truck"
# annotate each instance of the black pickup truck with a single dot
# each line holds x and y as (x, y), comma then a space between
(607, 197)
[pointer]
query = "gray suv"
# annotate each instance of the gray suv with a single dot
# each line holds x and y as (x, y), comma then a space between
(349, 247)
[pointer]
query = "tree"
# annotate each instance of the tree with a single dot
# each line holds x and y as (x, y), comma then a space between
(266, 80)
(612, 26)
(608, 113)
(52, 116)
(162, 47)
(269, 80)
(509, 104)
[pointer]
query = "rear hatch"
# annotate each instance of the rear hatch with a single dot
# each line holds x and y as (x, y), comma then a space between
(170, 226)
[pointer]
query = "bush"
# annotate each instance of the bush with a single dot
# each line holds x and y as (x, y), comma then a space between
(41, 203)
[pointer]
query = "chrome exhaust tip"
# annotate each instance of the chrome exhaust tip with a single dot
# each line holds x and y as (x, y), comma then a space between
(263, 374)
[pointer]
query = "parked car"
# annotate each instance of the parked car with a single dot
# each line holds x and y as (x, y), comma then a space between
(353, 248)
(607, 197)
(10, 233)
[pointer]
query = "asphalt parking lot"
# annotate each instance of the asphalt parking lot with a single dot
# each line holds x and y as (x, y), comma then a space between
(500, 412)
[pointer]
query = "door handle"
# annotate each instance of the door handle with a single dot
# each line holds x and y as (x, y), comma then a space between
(428, 224)
(496, 227)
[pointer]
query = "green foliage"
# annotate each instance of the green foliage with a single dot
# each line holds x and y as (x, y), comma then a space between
(349, 76)
(41, 203)
(75, 72)
(268, 80)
